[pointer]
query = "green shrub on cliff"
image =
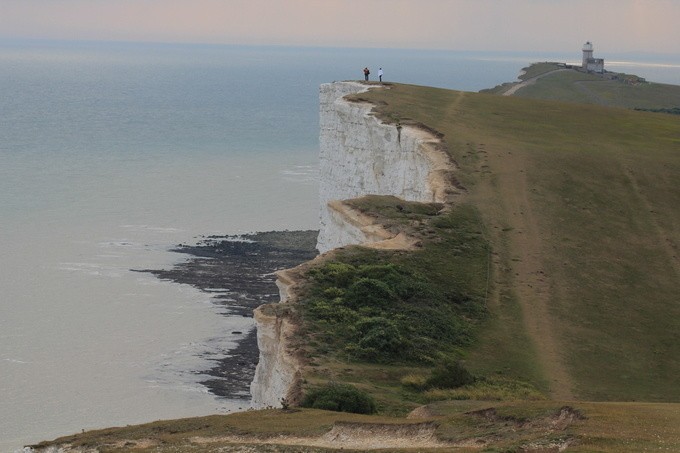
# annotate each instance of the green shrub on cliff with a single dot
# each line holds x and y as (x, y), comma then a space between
(450, 374)
(377, 337)
(363, 310)
(369, 295)
(340, 398)
(393, 307)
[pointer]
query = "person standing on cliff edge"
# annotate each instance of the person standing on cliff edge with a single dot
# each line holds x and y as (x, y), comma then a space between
(380, 74)
(366, 74)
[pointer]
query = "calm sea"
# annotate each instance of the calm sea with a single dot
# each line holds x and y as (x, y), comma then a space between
(112, 153)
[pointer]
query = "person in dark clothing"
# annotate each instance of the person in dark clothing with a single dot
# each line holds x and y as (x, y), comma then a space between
(366, 74)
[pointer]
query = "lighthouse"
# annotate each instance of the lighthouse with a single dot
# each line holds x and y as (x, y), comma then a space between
(587, 53)
(591, 64)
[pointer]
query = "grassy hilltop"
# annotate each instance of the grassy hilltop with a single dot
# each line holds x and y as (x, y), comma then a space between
(548, 287)
(555, 81)
(580, 204)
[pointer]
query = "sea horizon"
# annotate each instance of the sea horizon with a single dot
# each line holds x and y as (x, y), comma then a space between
(627, 59)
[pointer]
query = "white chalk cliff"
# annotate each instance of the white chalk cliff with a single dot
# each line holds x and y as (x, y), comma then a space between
(277, 370)
(359, 155)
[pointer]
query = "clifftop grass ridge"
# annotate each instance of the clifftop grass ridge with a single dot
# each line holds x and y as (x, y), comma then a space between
(557, 81)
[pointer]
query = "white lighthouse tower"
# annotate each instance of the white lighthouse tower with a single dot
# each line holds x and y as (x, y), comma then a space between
(587, 53)
(591, 64)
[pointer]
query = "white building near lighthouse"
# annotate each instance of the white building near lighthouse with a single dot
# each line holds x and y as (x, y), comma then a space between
(591, 64)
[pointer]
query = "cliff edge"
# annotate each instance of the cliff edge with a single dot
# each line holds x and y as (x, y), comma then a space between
(359, 155)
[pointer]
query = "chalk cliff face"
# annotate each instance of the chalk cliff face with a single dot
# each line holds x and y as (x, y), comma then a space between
(359, 156)
(277, 370)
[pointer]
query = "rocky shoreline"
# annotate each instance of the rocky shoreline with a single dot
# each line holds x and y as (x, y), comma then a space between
(238, 272)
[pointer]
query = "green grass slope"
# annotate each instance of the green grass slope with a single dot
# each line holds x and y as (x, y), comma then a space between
(581, 206)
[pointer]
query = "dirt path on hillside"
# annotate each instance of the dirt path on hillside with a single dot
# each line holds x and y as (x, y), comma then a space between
(513, 89)
(665, 240)
(510, 191)
(533, 289)
(456, 103)
(506, 193)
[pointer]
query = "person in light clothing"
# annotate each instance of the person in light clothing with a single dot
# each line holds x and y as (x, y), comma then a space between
(380, 74)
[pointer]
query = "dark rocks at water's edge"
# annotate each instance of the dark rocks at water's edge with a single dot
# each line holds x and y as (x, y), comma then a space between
(238, 271)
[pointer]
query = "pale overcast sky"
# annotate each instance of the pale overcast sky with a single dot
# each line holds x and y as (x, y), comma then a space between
(534, 25)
